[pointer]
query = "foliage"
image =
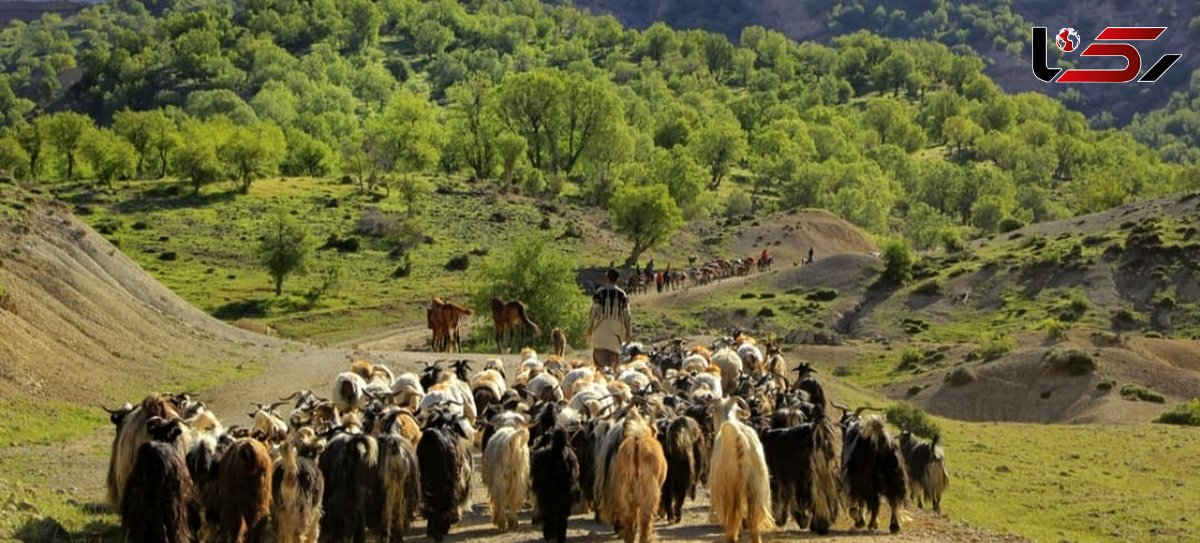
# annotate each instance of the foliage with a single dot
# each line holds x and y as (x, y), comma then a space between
(994, 347)
(959, 377)
(533, 273)
(910, 418)
(253, 152)
(1073, 362)
(110, 156)
(897, 262)
(63, 132)
(284, 249)
(195, 157)
(1135, 392)
(646, 215)
(14, 160)
(1187, 414)
(1056, 330)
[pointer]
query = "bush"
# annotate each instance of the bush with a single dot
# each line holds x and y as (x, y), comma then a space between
(914, 390)
(1187, 414)
(533, 272)
(1106, 385)
(822, 295)
(1056, 330)
(912, 419)
(910, 358)
(1073, 362)
(737, 204)
(960, 377)
(897, 262)
(330, 282)
(929, 288)
(952, 241)
(1134, 392)
(1008, 224)
(842, 371)
(995, 347)
(458, 263)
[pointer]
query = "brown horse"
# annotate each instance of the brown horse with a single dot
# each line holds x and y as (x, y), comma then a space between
(443, 319)
(512, 317)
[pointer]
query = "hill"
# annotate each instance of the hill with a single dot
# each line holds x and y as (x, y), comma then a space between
(998, 30)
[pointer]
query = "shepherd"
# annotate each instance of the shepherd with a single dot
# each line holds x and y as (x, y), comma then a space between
(610, 322)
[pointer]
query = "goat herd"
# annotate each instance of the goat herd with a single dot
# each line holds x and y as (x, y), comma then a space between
(627, 444)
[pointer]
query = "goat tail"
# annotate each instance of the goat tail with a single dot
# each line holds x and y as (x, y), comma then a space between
(937, 477)
(368, 449)
(824, 481)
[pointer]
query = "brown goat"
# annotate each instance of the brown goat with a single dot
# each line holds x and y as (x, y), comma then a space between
(245, 490)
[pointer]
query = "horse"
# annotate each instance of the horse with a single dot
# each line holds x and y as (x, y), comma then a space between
(764, 264)
(509, 317)
(443, 319)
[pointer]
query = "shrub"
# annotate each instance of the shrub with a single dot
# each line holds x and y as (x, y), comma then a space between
(952, 241)
(737, 204)
(766, 312)
(841, 371)
(897, 262)
(912, 419)
(914, 390)
(1008, 224)
(960, 377)
(995, 347)
(458, 263)
(1106, 385)
(822, 295)
(910, 358)
(929, 288)
(1134, 392)
(1187, 414)
(1073, 362)
(1056, 330)
(533, 272)
(330, 281)
(747, 296)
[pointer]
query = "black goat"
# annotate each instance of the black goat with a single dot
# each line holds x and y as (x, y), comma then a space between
(926, 467)
(351, 481)
(872, 466)
(155, 507)
(555, 481)
(203, 461)
(684, 449)
(803, 463)
(445, 466)
(400, 490)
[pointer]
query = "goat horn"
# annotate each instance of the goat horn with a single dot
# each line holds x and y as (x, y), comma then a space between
(271, 408)
(843, 408)
(111, 411)
(292, 397)
(858, 412)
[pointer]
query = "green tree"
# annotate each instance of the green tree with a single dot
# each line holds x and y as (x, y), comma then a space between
(364, 20)
(925, 226)
(31, 138)
(892, 121)
(110, 156)
(530, 104)
(431, 38)
(473, 124)
(718, 146)
(897, 262)
(894, 72)
(407, 136)
(510, 147)
(534, 272)
(63, 131)
(961, 133)
(147, 131)
(307, 155)
(647, 215)
(14, 160)
(284, 249)
(195, 158)
(590, 110)
(253, 152)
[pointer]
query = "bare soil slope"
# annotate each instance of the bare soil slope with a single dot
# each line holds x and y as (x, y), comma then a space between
(81, 321)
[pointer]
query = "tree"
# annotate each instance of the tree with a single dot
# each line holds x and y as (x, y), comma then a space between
(960, 133)
(510, 147)
(195, 158)
(719, 145)
(431, 38)
(307, 155)
(63, 131)
(534, 272)
(407, 137)
(897, 262)
(284, 249)
(146, 130)
(529, 104)
(473, 124)
(647, 215)
(892, 121)
(110, 156)
(31, 138)
(13, 158)
(894, 72)
(925, 226)
(364, 20)
(252, 152)
(590, 109)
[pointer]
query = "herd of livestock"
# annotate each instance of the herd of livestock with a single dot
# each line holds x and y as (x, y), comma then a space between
(627, 444)
(697, 273)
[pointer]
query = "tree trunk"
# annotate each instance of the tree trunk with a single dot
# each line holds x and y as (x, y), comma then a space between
(716, 180)
(278, 286)
(638, 249)
(70, 165)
